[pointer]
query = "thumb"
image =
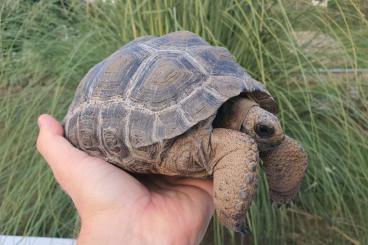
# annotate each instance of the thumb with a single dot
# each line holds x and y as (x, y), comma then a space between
(64, 160)
(76, 171)
(50, 124)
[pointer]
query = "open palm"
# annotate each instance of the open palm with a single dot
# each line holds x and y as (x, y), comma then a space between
(117, 208)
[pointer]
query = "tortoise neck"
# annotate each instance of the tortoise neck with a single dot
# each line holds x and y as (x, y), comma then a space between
(244, 107)
(232, 114)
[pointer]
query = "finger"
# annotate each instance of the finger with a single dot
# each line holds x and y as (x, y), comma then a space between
(52, 125)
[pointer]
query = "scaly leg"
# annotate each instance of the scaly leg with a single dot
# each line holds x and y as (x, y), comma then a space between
(234, 161)
(285, 168)
(230, 156)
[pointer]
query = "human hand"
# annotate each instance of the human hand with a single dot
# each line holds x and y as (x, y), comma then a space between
(116, 208)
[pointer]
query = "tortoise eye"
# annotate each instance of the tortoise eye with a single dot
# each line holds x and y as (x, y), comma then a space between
(264, 131)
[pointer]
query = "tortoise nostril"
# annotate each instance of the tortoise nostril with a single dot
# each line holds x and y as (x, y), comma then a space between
(264, 131)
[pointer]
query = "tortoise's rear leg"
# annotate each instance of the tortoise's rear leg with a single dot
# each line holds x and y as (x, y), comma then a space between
(234, 162)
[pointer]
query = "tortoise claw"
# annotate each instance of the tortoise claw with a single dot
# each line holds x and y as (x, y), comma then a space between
(278, 205)
(242, 229)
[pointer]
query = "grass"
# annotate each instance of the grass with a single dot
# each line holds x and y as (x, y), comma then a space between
(47, 46)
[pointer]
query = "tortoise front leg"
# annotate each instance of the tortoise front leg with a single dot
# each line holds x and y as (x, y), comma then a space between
(234, 161)
(285, 168)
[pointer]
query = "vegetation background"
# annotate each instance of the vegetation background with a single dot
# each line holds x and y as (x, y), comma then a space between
(312, 59)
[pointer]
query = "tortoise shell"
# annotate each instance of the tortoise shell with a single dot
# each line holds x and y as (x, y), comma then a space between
(155, 89)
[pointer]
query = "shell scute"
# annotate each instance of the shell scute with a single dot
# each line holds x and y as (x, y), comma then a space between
(218, 61)
(88, 128)
(200, 104)
(225, 86)
(166, 80)
(181, 40)
(113, 116)
(114, 74)
(170, 123)
(140, 126)
(71, 129)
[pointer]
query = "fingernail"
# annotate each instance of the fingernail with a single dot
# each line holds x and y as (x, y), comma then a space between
(40, 121)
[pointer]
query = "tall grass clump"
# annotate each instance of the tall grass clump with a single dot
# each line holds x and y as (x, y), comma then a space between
(311, 59)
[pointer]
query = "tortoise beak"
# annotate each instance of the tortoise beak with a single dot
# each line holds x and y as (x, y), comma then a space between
(265, 145)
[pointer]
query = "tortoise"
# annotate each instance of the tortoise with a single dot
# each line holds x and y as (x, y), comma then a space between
(177, 106)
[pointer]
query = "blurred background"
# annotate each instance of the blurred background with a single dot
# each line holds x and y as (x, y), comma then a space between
(312, 55)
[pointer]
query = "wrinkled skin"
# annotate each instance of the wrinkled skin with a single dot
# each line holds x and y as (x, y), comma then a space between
(285, 167)
(284, 160)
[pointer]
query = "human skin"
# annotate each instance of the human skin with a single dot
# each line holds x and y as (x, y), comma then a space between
(117, 208)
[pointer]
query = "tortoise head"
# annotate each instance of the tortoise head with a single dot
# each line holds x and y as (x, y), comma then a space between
(247, 116)
(262, 125)
(283, 158)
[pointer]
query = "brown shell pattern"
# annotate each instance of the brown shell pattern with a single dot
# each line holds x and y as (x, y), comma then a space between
(153, 89)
